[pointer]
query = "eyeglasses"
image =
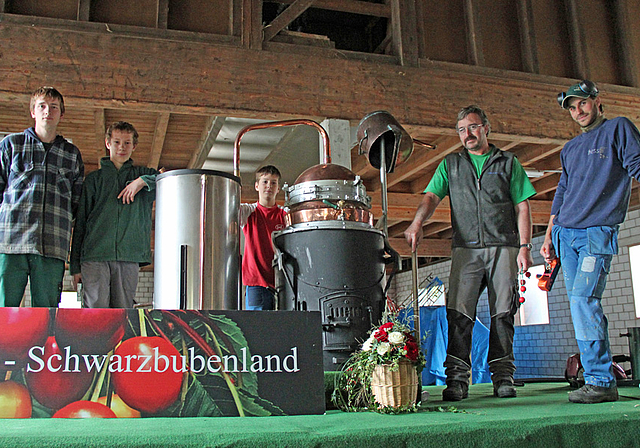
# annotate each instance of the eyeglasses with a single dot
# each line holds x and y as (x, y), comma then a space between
(470, 128)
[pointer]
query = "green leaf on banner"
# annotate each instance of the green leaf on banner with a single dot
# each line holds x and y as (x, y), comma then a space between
(258, 407)
(198, 403)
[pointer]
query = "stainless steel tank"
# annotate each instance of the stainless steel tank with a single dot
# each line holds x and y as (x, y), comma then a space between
(197, 242)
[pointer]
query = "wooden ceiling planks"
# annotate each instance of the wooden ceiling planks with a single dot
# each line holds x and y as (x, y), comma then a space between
(169, 71)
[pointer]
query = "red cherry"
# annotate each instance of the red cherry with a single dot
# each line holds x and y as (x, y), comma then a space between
(523, 288)
(527, 274)
(21, 329)
(90, 331)
(153, 389)
(523, 282)
(49, 383)
(85, 409)
(521, 300)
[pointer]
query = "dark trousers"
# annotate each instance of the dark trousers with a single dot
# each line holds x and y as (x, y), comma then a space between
(471, 271)
(44, 274)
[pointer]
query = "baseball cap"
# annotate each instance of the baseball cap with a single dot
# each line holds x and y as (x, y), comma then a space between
(583, 89)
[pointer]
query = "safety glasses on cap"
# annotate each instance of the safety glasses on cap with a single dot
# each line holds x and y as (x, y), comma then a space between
(589, 88)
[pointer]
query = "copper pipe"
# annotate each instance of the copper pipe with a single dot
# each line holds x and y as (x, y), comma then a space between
(273, 124)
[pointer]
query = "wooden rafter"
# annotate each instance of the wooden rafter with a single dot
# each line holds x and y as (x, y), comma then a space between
(209, 135)
(287, 16)
(162, 122)
(421, 160)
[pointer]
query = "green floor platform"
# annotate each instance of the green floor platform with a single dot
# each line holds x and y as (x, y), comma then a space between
(540, 416)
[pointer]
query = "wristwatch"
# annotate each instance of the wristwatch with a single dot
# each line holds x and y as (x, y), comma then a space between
(528, 246)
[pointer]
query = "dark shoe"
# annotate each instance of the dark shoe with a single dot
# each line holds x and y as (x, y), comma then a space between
(504, 389)
(455, 391)
(593, 394)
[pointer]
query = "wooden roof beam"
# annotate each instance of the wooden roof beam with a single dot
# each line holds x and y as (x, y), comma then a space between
(352, 6)
(162, 122)
(208, 138)
(421, 159)
(531, 154)
(546, 184)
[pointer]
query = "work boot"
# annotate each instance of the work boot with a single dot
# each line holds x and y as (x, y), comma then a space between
(593, 394)
(504, 389)
(455, 391)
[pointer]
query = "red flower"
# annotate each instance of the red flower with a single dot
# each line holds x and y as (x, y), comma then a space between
(412, 350)
(409, 336)
(381, 335)
(387, 326)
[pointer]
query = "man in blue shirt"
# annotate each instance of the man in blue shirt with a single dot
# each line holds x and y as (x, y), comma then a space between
(590, 203)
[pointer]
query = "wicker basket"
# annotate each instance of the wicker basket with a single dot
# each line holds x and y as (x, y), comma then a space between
(395, 388)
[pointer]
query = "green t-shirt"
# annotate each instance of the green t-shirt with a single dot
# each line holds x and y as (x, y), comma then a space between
(521, 188)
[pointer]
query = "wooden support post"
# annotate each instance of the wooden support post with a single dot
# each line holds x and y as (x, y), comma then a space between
(404, 30)
(84, 10)
(474, 35)
(162, 15)
(576, 40)
(527, 37)
(252, 24)
(625, 45)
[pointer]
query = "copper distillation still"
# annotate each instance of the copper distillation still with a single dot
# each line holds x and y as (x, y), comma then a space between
(330, 258)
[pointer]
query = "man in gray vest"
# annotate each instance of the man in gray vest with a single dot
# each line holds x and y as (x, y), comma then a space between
(488, 194)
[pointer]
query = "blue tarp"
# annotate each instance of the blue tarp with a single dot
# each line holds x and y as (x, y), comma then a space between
(433, 329)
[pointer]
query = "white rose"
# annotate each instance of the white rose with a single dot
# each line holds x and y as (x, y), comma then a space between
(368, 343)
(383, 348)
(395, 337)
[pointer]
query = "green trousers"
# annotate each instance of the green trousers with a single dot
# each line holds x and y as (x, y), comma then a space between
(44, 273)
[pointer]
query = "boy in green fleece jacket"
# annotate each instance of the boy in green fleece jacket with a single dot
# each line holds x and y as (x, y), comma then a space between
(112, 234)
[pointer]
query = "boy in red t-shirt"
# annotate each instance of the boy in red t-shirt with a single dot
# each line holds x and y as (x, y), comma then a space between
(258, 221)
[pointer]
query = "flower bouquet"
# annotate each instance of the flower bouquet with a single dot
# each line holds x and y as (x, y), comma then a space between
(383, 375)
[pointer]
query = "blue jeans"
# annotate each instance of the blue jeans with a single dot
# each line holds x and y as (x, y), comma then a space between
(585, 255)
(259, 298)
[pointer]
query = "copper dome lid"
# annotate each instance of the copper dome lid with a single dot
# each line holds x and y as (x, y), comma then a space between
(326, 171)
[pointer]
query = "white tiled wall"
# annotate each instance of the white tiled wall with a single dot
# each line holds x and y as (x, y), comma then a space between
(541, 351)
